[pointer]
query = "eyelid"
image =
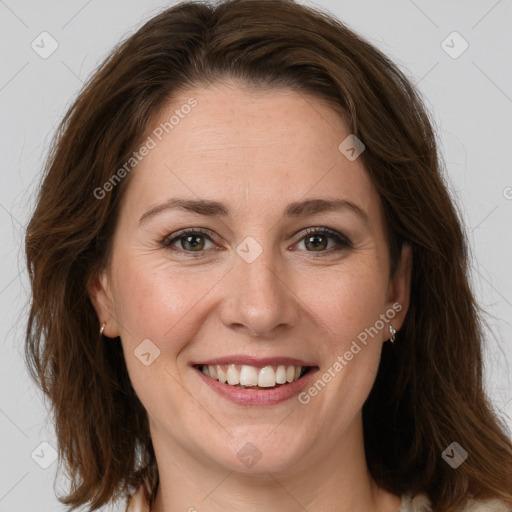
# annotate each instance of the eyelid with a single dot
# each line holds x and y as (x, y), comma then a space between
(186, 231)
(339, 237)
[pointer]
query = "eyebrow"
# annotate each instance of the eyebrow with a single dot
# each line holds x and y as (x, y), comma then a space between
(212, 208)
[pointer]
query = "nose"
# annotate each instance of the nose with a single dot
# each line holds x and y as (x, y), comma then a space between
(260, 297)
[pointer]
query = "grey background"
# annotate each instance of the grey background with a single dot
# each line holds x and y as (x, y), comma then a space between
(470, 97)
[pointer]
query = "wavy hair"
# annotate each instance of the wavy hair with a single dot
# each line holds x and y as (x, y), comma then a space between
(428, 391)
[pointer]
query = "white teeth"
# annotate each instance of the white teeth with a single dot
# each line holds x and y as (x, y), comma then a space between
(213, 371)
(248, 376)
(245, 375)
(221, 375)
(281, 374)
(233, 375)
(267, 377)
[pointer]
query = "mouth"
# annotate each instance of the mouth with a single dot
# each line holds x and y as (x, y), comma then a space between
(254, 378)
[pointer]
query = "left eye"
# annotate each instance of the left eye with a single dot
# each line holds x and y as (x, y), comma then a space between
(318, 239)
(194, 241)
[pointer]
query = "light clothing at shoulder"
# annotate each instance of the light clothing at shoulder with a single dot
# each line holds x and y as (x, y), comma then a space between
(420, 503)
(138, 503)
(133, 503)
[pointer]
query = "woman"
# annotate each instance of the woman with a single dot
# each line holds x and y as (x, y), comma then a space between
(198, 352)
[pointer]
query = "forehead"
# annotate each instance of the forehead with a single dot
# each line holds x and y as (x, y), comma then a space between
(246, 147)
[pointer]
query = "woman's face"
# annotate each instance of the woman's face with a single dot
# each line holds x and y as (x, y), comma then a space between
(260, 284)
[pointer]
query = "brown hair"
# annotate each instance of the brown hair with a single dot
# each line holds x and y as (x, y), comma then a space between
(428, 391)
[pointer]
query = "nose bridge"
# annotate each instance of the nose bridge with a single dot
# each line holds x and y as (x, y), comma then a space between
(260, 298)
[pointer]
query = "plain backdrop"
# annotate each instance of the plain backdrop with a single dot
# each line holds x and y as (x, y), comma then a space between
(465, 79)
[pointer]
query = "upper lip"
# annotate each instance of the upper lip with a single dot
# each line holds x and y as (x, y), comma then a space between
(259, 362)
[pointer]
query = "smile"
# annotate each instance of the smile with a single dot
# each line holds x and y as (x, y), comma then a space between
(248, 385)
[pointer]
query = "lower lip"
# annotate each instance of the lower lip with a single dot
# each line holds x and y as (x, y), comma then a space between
(258, 397)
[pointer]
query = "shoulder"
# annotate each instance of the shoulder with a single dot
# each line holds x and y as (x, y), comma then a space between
(421, 503)
(492, 505)
(418, 503)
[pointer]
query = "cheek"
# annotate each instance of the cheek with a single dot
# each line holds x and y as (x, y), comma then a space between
(346, 299)
(156, 302)
(349, 302)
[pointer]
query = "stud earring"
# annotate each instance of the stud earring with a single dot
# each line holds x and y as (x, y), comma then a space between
(102, 328)
(392, 332)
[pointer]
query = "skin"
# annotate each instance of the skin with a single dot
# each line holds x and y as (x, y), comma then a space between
(256, 151)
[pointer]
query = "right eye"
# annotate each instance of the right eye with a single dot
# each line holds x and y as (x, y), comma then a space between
(191, 241)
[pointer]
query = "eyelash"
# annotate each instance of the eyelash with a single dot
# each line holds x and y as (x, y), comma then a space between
(341, 240)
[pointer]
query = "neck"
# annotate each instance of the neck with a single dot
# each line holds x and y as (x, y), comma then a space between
(332, 480)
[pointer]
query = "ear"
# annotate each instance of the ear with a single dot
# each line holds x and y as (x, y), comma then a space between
(399, 289)
(100, 293)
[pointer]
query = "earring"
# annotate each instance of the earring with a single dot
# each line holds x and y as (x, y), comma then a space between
(392, 332)
(102, 328)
